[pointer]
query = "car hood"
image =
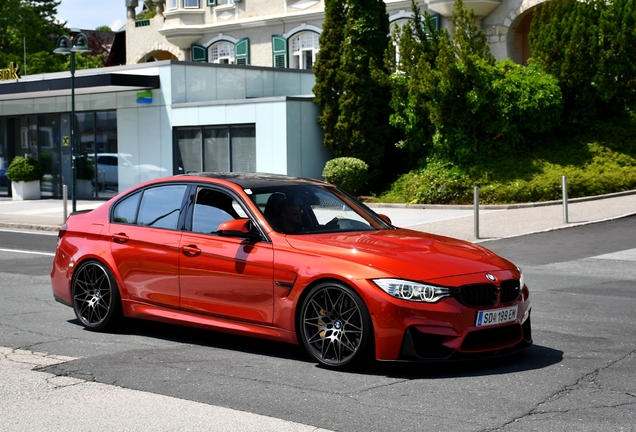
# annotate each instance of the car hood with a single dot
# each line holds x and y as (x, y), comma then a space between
(404, 253)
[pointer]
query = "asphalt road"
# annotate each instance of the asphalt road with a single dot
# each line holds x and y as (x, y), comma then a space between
(579, 375)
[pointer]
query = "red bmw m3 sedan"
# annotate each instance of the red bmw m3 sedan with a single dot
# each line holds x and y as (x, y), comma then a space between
(292, 260)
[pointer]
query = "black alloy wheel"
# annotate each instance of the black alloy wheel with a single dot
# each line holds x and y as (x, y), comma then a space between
(95, 296)
(335, 326)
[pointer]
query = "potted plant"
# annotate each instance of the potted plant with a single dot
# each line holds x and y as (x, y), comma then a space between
(25, 174)
(85, 176)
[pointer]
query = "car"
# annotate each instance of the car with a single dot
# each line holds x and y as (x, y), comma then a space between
(213, 250)
(113, 167)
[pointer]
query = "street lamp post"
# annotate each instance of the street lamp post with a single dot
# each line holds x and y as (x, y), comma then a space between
(69, 46)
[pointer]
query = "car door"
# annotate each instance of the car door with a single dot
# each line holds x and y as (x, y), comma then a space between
(145, 243)
(224, 276)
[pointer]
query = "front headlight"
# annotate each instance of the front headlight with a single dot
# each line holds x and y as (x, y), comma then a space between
(413, 291)
(522, 281)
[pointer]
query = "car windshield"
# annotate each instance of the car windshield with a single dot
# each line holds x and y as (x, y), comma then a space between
(311, 209)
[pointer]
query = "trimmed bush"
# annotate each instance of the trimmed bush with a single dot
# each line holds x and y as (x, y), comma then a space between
(347, 173)
(25, 169)
(85, 168)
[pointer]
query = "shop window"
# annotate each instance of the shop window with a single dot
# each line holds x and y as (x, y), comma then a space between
(215, 149)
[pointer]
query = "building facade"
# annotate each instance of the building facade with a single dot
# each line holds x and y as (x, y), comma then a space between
(285, 33)
(137, 122)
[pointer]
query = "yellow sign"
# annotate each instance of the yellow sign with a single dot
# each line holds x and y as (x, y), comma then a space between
(65, 141)
(10, 73)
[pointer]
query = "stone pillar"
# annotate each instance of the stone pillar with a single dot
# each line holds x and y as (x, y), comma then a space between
(130, 9)
(160, 6)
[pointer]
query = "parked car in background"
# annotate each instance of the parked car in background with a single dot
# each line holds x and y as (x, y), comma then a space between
(292, 260)
(115, 168)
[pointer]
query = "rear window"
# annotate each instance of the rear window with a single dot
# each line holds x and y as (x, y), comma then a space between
(158, 207)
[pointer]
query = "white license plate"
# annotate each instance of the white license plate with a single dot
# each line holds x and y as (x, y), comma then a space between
(496, 316)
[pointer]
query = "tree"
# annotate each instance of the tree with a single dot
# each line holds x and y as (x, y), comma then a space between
(588, 46)
(351, 80)
(328, 88)
(456, 105)
(31, 26)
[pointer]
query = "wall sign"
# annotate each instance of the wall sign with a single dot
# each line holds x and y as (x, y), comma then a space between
(10, 73)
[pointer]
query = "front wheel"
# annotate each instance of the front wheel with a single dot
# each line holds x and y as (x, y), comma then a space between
(95, 296)
(335, 326)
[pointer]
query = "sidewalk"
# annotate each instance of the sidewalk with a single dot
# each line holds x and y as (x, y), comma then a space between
(453, 221)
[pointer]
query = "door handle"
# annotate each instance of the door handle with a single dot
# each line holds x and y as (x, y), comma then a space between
(120, 238)
(191, 250)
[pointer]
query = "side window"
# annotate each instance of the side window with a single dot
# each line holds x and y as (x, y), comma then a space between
(212, 208)
(126, 210)
(160, 207)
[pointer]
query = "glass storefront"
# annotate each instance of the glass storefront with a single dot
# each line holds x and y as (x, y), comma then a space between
(46, 138)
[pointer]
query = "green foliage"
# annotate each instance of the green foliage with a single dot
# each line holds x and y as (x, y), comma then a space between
(455, 104)
(327, 89)
(525, 102)
(29, 24)
(347, 173)
(600, 161)
(351, 87)
(588, 46)
(85, 168)
(438, 182)
(25, 169)
(149, 10)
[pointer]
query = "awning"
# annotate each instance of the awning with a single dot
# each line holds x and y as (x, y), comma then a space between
(88, 84)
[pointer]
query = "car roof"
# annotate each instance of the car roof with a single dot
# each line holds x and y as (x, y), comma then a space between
(258, 180)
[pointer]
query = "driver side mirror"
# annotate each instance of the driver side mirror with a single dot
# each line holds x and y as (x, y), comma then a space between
(385, 218)
(240, 228)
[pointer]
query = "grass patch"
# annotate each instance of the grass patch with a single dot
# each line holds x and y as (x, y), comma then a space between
(600, 161)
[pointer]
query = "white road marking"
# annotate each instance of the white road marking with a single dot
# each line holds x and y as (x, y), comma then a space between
(626, 255)
(27, 252)
(38, 232)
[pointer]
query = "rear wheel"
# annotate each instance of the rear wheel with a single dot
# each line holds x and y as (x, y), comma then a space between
(335, 326)
(96, 299)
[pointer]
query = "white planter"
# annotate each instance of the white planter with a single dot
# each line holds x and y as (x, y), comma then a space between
(25, 190)
(84, 188)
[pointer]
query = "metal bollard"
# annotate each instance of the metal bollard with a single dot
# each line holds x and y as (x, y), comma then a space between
(476, 212)
(564, 186)
(65, 202)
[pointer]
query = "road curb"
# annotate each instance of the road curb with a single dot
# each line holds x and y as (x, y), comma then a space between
(500, 206)
(32, 227)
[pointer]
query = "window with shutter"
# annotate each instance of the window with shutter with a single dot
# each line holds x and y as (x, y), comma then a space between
(242, 52)
(198, 53)
(221, 52)
(279, 51)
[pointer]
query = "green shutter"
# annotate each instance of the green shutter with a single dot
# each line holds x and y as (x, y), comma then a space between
(198, 53)
(242, 52)
(435, 19)
(279, 51)
(211, 2)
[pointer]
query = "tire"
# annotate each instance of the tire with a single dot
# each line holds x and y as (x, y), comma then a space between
(335, 326)
(96, 300)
